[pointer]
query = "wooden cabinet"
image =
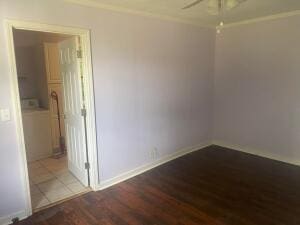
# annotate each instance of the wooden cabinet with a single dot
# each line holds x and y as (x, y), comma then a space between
(52, 62)
(54, 81)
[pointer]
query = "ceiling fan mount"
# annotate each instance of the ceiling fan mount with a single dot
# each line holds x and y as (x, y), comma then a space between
(215, 7)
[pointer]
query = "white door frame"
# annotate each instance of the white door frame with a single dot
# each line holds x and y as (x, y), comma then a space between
(88, 89)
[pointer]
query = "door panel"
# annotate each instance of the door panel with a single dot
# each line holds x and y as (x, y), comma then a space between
(52, 62)
(74, 122)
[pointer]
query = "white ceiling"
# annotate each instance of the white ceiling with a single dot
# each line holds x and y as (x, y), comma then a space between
(250, 9)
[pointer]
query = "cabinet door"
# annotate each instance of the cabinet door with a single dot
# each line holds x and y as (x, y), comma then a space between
(54, 115)
(52, 62)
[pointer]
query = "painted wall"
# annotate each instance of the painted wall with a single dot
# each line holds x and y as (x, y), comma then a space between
(153, 88)
(27, 71)
(257, 77)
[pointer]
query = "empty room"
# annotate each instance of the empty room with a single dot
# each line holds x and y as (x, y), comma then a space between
(152, 112)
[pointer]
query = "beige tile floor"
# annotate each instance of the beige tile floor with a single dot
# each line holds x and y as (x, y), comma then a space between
(50, 181)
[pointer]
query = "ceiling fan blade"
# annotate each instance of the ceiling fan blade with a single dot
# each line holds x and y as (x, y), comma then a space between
(230, 4)
(192, 4)
(214, 7)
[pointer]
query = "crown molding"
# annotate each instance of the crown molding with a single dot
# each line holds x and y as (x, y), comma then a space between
(93, 4)
(261, 19)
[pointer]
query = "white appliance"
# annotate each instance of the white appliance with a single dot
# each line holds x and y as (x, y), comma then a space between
(29, 103)
(37, 130)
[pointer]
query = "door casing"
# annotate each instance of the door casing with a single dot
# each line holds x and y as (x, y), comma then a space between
(84, 35)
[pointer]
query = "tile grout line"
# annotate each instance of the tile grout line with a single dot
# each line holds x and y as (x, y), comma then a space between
(64, 185)
(56, 177)
(50, 172)
(42, 165)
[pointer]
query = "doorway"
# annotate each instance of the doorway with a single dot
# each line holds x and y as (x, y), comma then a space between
(53, 93)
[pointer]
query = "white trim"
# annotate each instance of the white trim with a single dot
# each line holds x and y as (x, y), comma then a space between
(257, 152)
(89, 94)
(261, 19)
(93, 4)
(5, 220)
(149, 166)
(90, 108)
(18, 117)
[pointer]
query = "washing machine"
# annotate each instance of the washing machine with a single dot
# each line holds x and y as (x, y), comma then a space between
(37, 130)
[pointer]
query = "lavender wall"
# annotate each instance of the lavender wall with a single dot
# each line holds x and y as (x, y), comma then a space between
(27, 70)
(153, 88)
(257, 78)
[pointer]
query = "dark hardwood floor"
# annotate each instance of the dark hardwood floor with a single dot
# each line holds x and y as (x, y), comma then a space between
(214, 186)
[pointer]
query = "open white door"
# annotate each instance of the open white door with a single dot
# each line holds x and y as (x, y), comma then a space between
(73, 104)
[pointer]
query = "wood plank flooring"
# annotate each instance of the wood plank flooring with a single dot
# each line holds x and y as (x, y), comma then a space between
(214, 186)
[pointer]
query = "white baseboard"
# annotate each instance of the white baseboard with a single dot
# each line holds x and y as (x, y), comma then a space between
(5, 220)
(257, 152)
(149, 166)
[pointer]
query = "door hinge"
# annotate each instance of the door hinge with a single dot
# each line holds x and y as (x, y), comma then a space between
(83, 112)
(79, 54)
(87, 165)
